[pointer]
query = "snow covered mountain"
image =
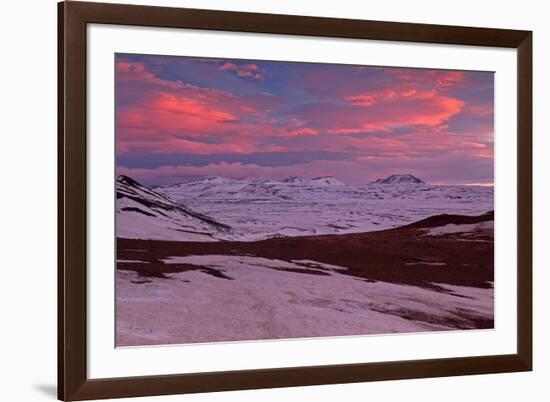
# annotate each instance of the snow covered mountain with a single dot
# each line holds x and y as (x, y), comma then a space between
(258, 209)
(146, 214)
(205, 187)
(325, 181)
(294, 180)
(400, 179)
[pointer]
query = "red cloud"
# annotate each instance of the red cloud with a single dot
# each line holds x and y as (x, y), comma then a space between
(480, 109)
(449, 78)
(250, 71)
(418, 109)
(164, 111)
(385, 95)
(187, 106)
(435, 110)
(137, 72)
(361, 100)
(410, 99)
(297, 132)
(132, 71)
(438, 79)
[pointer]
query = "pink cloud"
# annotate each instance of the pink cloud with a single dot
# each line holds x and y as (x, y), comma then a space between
(361, 100)
(137, 72)
(132, 71)
(439, 79)
(480, 109)
(300, 131)
(387, 95)
(421, 109)
(449, 79)
(183, 105)
(250, 71)
(165, 111)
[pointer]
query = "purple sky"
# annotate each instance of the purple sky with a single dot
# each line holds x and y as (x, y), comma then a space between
(180, 117)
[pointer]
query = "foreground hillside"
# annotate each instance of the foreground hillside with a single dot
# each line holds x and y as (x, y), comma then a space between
(434, 275)
(143, 213)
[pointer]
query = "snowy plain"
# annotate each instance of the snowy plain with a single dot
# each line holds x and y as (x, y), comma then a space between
(258, 209)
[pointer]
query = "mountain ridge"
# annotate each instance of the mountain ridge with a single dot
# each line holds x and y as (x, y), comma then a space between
(399, 179)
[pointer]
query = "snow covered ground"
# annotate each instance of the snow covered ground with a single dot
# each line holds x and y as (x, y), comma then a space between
(258, 209)
(264, 298)
(216, 259)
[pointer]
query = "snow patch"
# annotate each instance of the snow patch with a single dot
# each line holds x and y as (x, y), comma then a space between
(277, 303)
(452, 228)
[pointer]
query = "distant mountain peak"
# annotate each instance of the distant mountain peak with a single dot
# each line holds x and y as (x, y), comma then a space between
(293, 180)
(216, 179)
(325, 181)
(400, 179)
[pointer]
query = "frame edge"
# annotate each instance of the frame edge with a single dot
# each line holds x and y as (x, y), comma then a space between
(525, 199)
(60, 204)
(71, 200)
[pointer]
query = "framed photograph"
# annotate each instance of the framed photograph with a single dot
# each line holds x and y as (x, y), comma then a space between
(253, 200)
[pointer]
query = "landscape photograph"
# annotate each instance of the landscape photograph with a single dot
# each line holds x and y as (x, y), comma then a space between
(261, 200)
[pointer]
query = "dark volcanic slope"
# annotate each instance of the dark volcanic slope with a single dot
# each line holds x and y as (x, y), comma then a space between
(404, 255)
(445, 219)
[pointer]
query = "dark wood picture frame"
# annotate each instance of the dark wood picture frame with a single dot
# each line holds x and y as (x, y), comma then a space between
(73, 17)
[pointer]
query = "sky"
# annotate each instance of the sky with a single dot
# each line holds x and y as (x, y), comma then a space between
(183, 117)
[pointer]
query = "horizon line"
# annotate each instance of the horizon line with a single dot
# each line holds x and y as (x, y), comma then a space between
(198, 177)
